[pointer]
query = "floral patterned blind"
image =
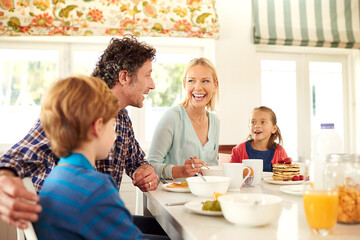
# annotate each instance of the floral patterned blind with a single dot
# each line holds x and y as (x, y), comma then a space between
(155, 18)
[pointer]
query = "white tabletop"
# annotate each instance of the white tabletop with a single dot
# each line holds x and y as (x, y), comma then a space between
(181, 223)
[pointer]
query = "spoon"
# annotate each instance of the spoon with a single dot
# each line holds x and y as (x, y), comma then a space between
(199, 174)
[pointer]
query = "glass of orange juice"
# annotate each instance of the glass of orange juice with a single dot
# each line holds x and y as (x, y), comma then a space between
(321, 209)
(321, 202)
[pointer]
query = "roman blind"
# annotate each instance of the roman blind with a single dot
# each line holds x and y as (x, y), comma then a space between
(319, 23)
(155, 18)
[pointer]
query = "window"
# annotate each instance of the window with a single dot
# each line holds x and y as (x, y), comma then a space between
(24, 75)
(29, 65)
(326, 83)
(305, 90)
(278, 87)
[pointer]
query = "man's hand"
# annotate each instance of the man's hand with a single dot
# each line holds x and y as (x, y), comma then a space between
(14, 206)
(145, 178)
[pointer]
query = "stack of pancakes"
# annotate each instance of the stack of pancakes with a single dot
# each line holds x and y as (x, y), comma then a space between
(285, 172)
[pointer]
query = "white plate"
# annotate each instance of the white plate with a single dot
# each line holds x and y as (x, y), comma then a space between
(266, 174)
(196, 206)
(182, 190)
(270, 180)
(293, 190)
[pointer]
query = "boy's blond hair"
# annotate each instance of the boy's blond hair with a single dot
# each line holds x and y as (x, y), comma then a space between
(71, 106)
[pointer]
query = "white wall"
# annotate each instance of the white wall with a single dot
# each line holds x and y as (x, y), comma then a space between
(235, 61)
(240, 85)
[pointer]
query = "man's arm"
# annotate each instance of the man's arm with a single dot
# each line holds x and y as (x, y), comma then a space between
(15, 207)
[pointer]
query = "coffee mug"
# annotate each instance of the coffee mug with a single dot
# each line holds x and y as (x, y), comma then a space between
(257, 166)
(235, 172)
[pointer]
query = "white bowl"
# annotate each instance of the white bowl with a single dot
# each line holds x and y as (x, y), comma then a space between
(212, 171)
(250, 209)
(213, 184)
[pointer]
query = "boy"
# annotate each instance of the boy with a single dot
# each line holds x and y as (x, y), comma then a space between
(78, 116)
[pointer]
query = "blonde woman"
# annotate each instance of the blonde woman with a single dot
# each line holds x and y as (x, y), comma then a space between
(187, 136)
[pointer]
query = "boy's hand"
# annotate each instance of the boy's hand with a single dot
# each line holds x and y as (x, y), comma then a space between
(14, 206)
(145, 178)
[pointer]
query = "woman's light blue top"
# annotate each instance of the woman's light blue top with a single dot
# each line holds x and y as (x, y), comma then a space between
(175, 140)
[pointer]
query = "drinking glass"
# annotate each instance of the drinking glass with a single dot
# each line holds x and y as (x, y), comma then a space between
(321, 202)
(321, 209)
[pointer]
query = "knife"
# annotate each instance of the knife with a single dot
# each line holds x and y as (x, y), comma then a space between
(175, 204)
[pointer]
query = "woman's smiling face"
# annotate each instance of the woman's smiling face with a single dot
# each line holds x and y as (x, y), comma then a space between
(200, 85)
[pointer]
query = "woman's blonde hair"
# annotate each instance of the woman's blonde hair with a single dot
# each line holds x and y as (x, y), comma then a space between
(203, 62)
(71, 106)
(274, 136)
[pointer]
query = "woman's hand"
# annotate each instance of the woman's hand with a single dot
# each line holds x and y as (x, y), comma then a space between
(192, 166)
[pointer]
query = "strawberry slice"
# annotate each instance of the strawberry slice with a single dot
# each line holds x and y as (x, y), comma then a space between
(281, 160)
(287, 160)
(296, 178)
(301, 177)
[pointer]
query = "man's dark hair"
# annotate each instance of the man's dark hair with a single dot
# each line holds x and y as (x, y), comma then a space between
(125, 53)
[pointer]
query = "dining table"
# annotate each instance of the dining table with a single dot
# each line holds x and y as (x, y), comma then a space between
(181, 222)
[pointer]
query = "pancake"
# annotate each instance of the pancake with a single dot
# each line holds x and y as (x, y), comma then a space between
(178, 185)
(283, 171)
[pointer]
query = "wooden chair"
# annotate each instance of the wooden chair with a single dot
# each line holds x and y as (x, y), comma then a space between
(225, 153)
(226, 148)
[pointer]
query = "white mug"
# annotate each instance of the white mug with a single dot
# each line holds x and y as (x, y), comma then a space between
(257, 166)
(235, 172)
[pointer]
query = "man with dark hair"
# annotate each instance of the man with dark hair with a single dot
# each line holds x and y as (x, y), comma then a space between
(126, 67)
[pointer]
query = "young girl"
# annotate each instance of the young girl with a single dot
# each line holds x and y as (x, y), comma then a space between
(261, 140)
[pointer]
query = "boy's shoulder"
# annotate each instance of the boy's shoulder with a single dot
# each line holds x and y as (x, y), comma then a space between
(79, 176)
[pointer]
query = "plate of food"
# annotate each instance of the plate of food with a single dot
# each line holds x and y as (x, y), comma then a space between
(266, 174)
(197, 206)
(297, 190)
(286, 182)
(176, 187)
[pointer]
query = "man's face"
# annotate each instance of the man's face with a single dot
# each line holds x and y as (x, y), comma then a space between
(141, 84)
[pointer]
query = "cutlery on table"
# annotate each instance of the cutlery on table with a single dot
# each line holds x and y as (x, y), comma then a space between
(175, 204)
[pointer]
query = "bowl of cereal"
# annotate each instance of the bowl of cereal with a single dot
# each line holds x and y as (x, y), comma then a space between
(201, 188)
(245, 208)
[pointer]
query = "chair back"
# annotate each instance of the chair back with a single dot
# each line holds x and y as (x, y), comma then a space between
(29, 232)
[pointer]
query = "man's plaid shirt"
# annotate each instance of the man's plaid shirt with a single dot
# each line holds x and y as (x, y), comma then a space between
(32, 156)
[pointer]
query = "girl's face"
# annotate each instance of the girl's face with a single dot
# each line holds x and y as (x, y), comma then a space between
(200, 85)
(261, 126)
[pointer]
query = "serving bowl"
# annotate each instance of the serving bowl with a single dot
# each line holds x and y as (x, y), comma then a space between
(212, 171)
(213, 184)
(250, 209)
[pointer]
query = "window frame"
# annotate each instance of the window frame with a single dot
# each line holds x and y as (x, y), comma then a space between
(302, 56)
(66, 47)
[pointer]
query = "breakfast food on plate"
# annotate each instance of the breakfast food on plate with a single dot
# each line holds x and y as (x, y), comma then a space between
(284, 170)
(211, 206)
(216, 195)
(182, 185)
